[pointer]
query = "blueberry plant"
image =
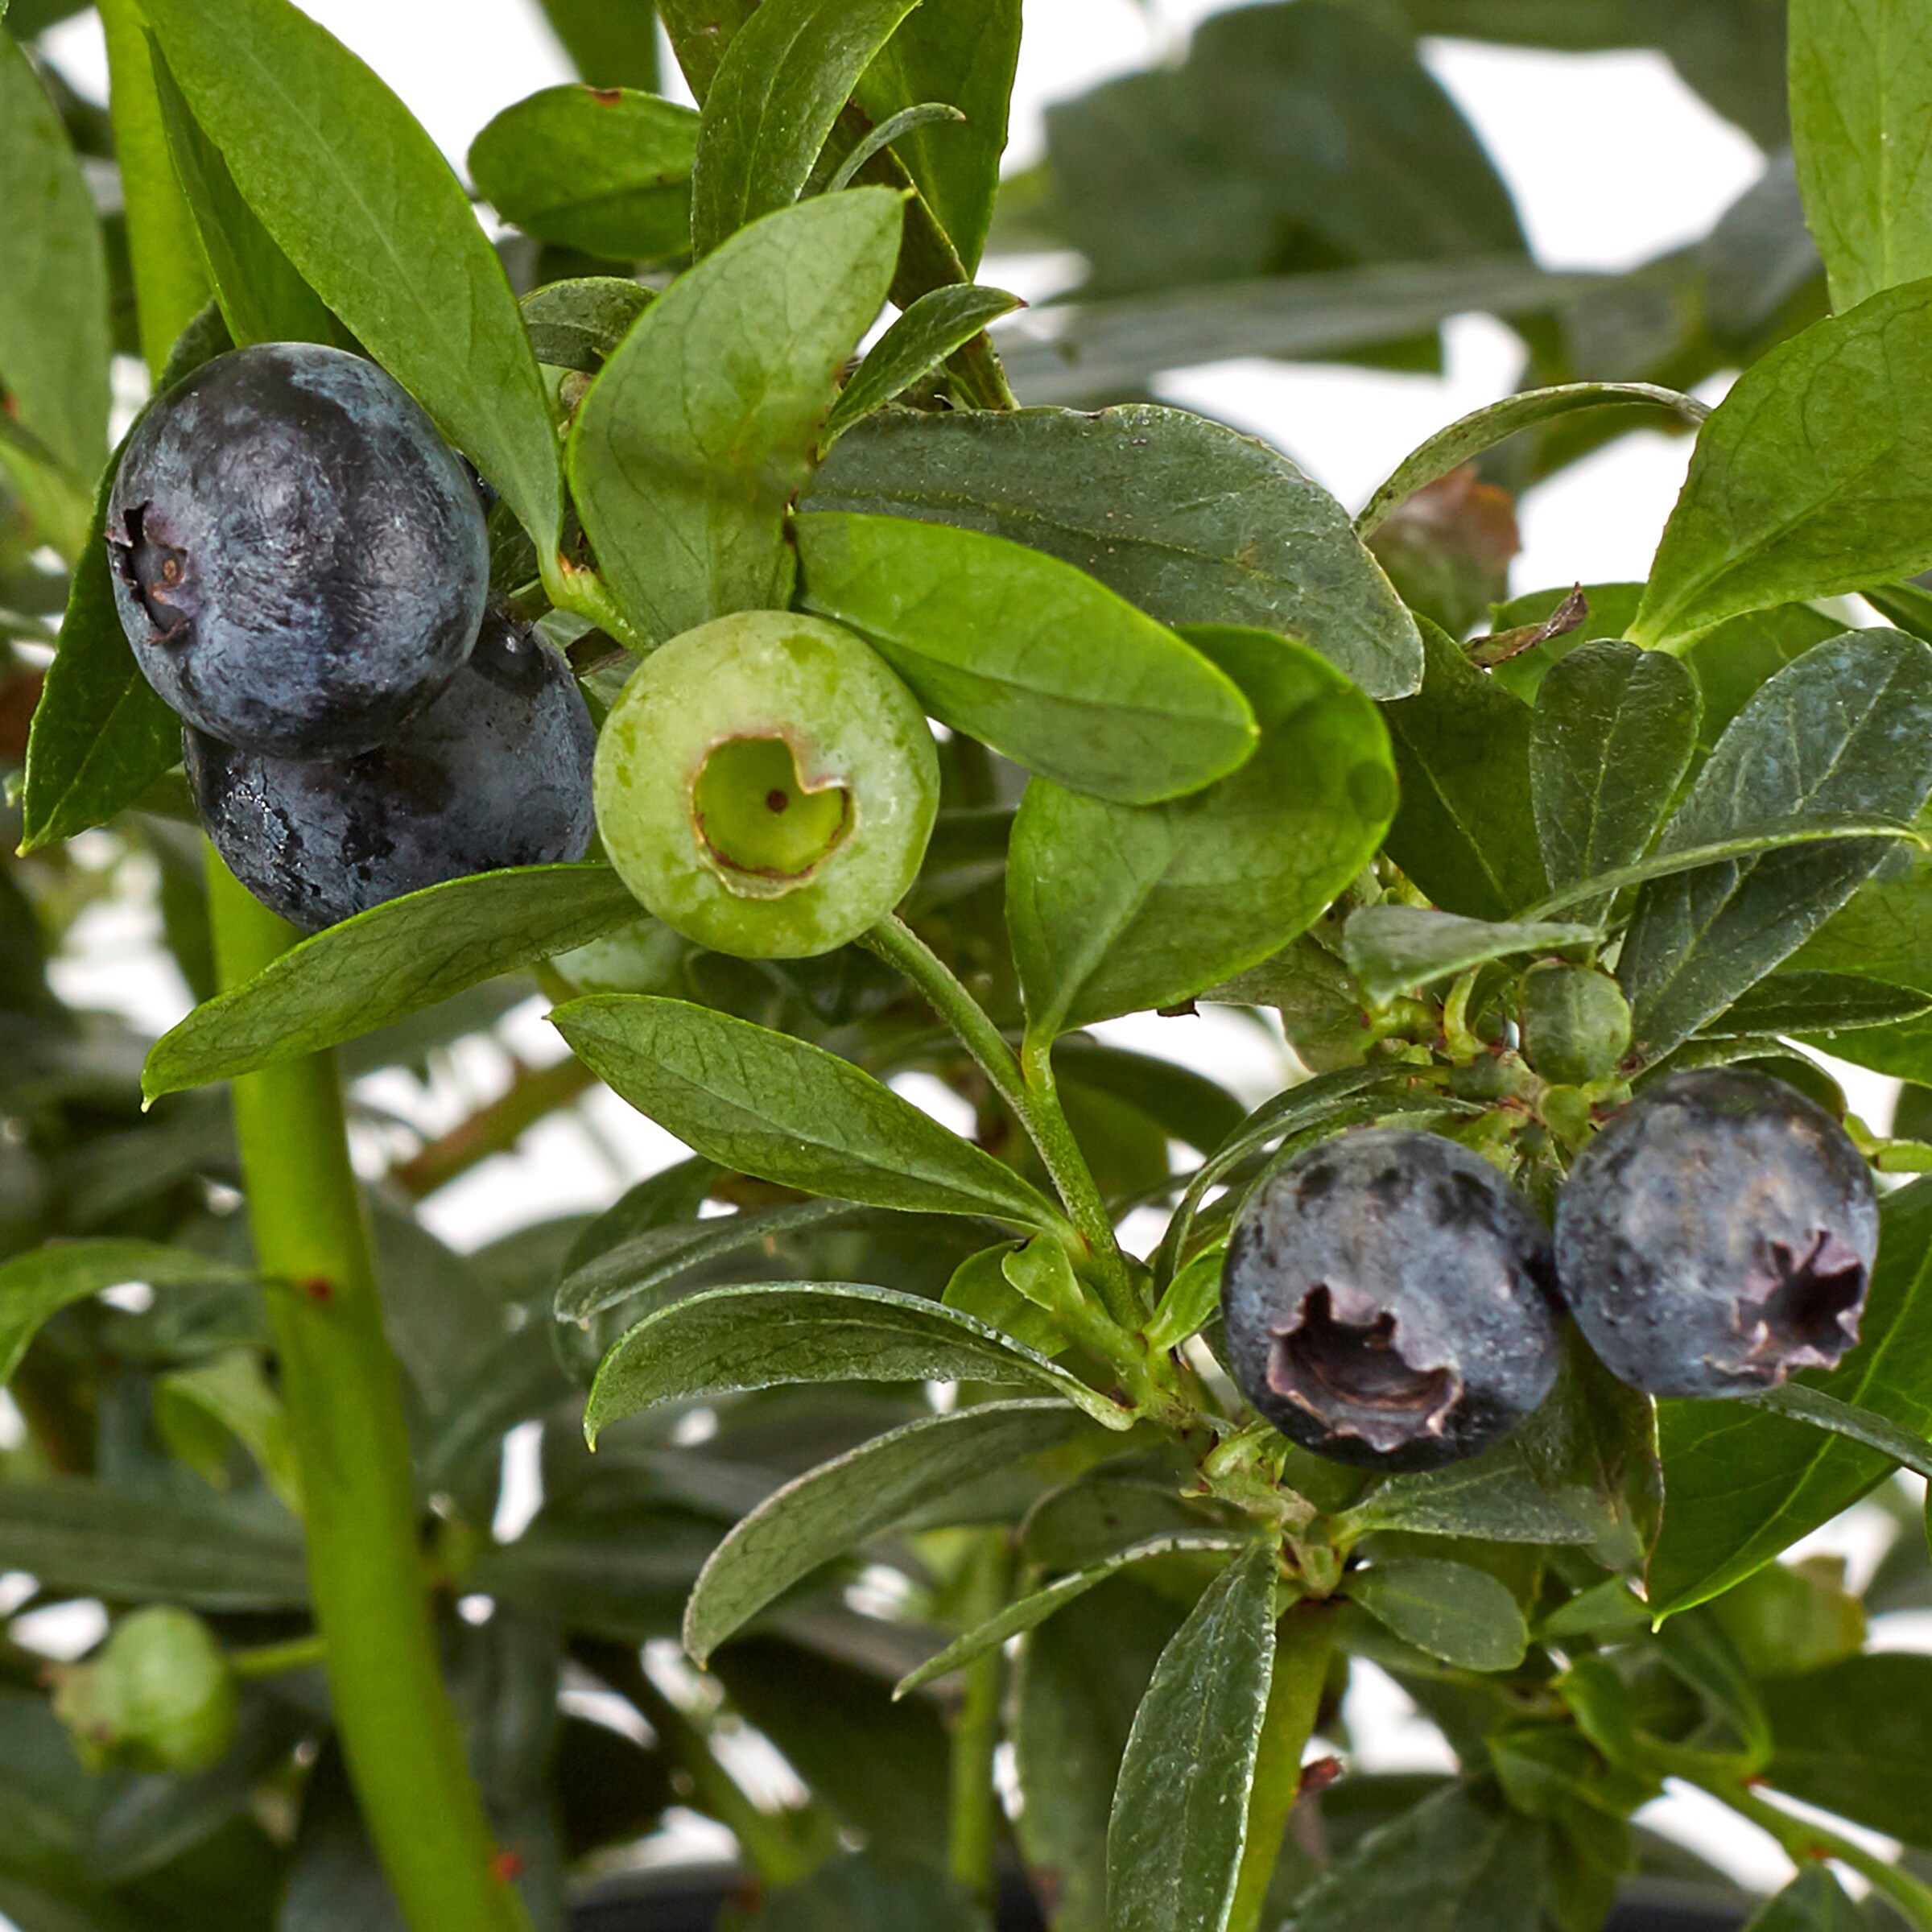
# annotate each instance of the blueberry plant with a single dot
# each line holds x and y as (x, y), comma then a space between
(608, 609)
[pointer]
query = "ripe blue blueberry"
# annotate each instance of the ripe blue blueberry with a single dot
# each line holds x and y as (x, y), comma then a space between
(1717, 1235)
(301, 560)
(1387, 1301)
(495, 773)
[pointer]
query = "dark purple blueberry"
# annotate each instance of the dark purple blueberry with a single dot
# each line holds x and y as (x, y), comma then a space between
(1716, 1235)
(1387, 1300)
(301, 560)
(495, 773)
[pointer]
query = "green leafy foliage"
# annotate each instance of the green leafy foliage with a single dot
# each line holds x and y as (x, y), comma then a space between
(1851, 1738)
(1031, 656)
(1810, 478)
(1117, 908)
(1180, 1808)
(1814, 1901)
(387, 963)
(770, 1334)
(836, 1507)
(1859, 102)
(603, 169)
(964, 52)
(787, 1111)
(771, 107)
(702, 426)
(37, 1285)
(1466, 1617)
(1186, 519)
(1465, 831)
(940, 321)
(53, 298)
(1393, 949)
(1839, 731)
(355, 193)
(1610, 741)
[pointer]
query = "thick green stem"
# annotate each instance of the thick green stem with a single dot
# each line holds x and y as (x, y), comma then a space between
(1035, 1101)
(1302, 1645)
(1806, 1841)
(339, 1384)
(973, 1823)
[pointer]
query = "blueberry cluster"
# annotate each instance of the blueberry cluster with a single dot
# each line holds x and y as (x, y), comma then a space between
(1391, 1301)
(301, 567)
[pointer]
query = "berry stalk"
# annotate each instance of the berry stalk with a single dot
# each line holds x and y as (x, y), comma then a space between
(405, 1753)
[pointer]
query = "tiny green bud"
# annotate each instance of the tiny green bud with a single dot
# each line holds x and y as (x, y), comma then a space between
(158, 1697)
(1576, 1022)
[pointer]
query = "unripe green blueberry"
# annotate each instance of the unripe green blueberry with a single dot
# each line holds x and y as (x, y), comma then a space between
(1576, 1023)
(159, 1697)
(766, 785)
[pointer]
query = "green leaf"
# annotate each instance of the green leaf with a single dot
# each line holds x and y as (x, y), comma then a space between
(1861, 107)
(197, 1409)
(611, 42)
(1855, 1738)
(100, 736)
(1744, 1483)
(838, 1505)
(1826, 1412)
(603, 169)
(1813, 477)
(578, 324)
(1180, 1808)
(1484, 428)
(765, 1334)
(963, 51)
(1029, 1612)
(784, 80)
(1183, 517)
(1082, 1677)
(54, 344)
(1093, 353)
(656, 1256)
(88, 1538)
(1814, 1901)
(1458, 1862)
(1610, 742)
(687, 448)
(262, 297)
(764, 1103)
(890, 130)
(36, 1284)
(1464, 1616)
(1190, 1302)
(940, 321)
(1393, 949)
(1846, 729)
(1465, 831)
(1817, 1002)
(1731, 663)
(1495, 1496)
(359, 199)
(1117, 909)
(1029, 656)
(394, 959)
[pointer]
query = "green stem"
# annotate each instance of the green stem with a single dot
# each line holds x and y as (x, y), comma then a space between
(273, 1660)
(973, 1821)
(1033, 1098)
(339, 1384)
(1806, 1840)
(1302, 1645)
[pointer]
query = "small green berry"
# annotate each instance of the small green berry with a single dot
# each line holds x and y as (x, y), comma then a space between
(160, 1696)
(766, 785)
(1576, 1024)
